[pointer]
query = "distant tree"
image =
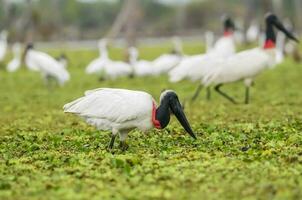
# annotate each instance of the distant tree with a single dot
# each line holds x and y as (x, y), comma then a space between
(127, 20)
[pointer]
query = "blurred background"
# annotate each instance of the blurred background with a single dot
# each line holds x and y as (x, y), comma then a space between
(133, 20)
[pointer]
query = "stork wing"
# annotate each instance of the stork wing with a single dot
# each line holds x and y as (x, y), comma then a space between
(116, 105)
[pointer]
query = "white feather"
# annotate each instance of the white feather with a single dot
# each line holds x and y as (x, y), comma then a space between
(3, 44)
(243, 65)
(118, 109)
(15, 63)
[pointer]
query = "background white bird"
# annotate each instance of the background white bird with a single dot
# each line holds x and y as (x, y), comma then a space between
(3, 44)
(247, 64)
(166, 62)
(115, 69)
(97, 65)
(49, 67)
(253, 32)
(192, 67)
(121, 110)
(107, 68)
(140, 67)
(15, 63)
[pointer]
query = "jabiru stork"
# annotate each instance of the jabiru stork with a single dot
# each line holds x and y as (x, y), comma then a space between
(246, 65)
(121, 110)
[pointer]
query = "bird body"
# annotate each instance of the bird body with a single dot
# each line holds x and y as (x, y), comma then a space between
(252, 32)
(243, 65)
(140, 67)
(3, 44)
(195, 67)
(48, 66)
(104, 65)
(15, 63)
(182, 69)
(165, 63)
(115, 69)
(121, 110)
(97, 65)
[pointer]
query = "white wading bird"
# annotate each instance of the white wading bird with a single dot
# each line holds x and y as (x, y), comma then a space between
(115, 69)
(3, 44)
(15, 63)
(105, 66)
(49, 67)
(140, 67)
(246, 65)
(192, 67)
(121, 110)
(253, 32)
(166, 62)
(97, 65)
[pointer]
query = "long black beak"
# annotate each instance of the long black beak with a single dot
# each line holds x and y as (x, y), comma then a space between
(180, 115)
(281, 27)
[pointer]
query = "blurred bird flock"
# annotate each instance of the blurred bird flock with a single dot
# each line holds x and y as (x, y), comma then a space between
(229, 71)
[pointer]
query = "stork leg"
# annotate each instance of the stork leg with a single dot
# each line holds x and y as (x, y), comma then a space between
(197, 92)
(113, 136)
(247, 94)
(123, 145)
(208, 93)
(217, 88)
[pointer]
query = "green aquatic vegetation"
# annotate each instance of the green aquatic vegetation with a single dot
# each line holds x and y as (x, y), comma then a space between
(242, 152)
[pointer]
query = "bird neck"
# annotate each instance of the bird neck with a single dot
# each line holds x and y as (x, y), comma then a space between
(270, 37)
(227, 32)
(104, 52)
(161, 115)
(132, 59)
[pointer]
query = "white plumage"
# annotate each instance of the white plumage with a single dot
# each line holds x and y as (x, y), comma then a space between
(253, 32)
(140, 67)
(3, 44)
(114, 109)
(104, 65)
(243, 65)
(97, 65)
(115, 69)
(48, 66)
(15, 63)
(195, 67)
(164, 63)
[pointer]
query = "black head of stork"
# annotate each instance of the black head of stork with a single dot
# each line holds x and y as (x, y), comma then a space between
(272, 20)
(169, 102)
(228, 25)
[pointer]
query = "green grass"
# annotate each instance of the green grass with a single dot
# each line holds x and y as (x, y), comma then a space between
(242, 152)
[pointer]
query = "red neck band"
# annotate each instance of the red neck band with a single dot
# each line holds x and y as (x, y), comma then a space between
(227, 33)
(155, 122)
(269, 44)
